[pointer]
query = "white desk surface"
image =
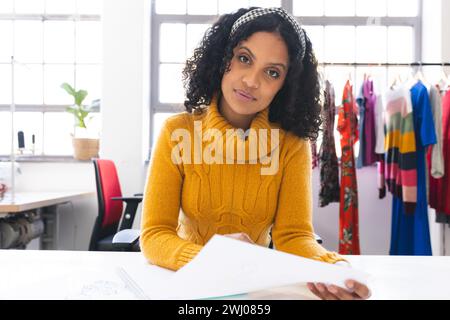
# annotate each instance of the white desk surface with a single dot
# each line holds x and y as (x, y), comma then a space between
(31, 200)
(28, 274)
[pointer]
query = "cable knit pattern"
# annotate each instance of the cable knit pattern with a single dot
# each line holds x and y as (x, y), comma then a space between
(185, 204)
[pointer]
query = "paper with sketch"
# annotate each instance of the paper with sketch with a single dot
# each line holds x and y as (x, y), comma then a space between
(227, 267)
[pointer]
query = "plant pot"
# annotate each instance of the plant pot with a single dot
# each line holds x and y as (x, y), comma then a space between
(85, 149)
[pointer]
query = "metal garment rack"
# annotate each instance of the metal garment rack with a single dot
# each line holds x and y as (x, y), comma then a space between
(413, 64)
(375, 64)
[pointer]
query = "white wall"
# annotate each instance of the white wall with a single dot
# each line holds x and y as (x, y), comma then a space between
(125, 102)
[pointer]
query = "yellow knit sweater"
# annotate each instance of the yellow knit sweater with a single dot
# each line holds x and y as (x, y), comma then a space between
(223, 198)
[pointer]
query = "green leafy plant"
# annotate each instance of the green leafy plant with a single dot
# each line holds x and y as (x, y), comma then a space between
(78, 110)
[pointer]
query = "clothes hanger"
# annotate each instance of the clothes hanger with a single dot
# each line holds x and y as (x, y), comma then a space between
(419, 74)
(397, 81)
(444, 82)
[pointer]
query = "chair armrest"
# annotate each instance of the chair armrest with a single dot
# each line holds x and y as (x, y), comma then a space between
(126, 221)
(137, 199)
(318, 238)
(127, 240)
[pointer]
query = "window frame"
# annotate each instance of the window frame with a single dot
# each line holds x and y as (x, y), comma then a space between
(357, 21)
(45, 108)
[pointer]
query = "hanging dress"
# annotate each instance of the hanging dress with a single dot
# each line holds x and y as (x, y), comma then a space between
(410, 230)
(348, 209)
(440, 188)
(329, 166)
(362, 111)
(370, 100)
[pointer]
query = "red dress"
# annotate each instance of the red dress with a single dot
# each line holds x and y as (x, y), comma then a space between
(348, 209)
(440, 188)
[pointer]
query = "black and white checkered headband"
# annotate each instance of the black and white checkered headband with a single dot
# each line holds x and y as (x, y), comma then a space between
(251, 15)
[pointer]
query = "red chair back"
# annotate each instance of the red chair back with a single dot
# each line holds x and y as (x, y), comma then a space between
(110, 187)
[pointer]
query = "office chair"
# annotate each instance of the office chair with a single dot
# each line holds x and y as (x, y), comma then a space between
(111, 217)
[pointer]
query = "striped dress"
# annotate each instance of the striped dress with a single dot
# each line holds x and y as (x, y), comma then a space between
(400, 170)
(410, 233)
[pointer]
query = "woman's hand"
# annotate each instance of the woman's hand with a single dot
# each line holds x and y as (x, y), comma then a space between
(240, 236)
(354, 291)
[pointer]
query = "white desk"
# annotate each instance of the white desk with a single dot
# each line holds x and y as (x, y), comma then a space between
(93, 275)
(46, 204)
(24, 201)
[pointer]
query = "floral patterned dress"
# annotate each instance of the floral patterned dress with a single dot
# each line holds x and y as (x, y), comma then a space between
(348, 209)
(329, 166)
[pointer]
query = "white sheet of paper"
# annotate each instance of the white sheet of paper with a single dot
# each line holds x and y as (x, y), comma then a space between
(227, 267)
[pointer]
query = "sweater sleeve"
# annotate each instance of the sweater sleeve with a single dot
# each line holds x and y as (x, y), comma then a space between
(293, 231)
(160, 243)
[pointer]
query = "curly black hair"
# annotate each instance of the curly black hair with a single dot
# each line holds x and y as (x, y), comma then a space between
(296, 107)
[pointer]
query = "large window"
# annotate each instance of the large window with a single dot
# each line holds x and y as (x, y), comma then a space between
(342, 31)
(52, 41)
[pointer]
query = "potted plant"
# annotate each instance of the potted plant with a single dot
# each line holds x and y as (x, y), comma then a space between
(85, 147)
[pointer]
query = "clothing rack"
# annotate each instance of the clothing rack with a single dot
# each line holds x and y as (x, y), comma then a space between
(359, 64)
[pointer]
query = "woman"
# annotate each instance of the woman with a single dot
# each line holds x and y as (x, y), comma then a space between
(252, 94)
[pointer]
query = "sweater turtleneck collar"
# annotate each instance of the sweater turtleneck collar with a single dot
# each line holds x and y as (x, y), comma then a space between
(260, 133)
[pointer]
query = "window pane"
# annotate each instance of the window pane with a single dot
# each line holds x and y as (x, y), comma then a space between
(30, 123)
(6, 6)
(170, 84)
(5, 84)
(28, 41)
(58, 127)
(400, 44)
(89, 78)
(308, 8)
(403, 8)
(370, 8)
(315, 34)
(54, 76)
(58, 41)
(339, 7)
(371, 44)
(5, 132)
(88, 41)
(264, 3)
(89, 6)
(195, 33)
(173, 42)
(158, 120)
(60, 6)
(29, 6)
(228, 6)
(170, 7)
(339, 44)
(94, 125)
(5, 41)
(202, 7)
(28, 84)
